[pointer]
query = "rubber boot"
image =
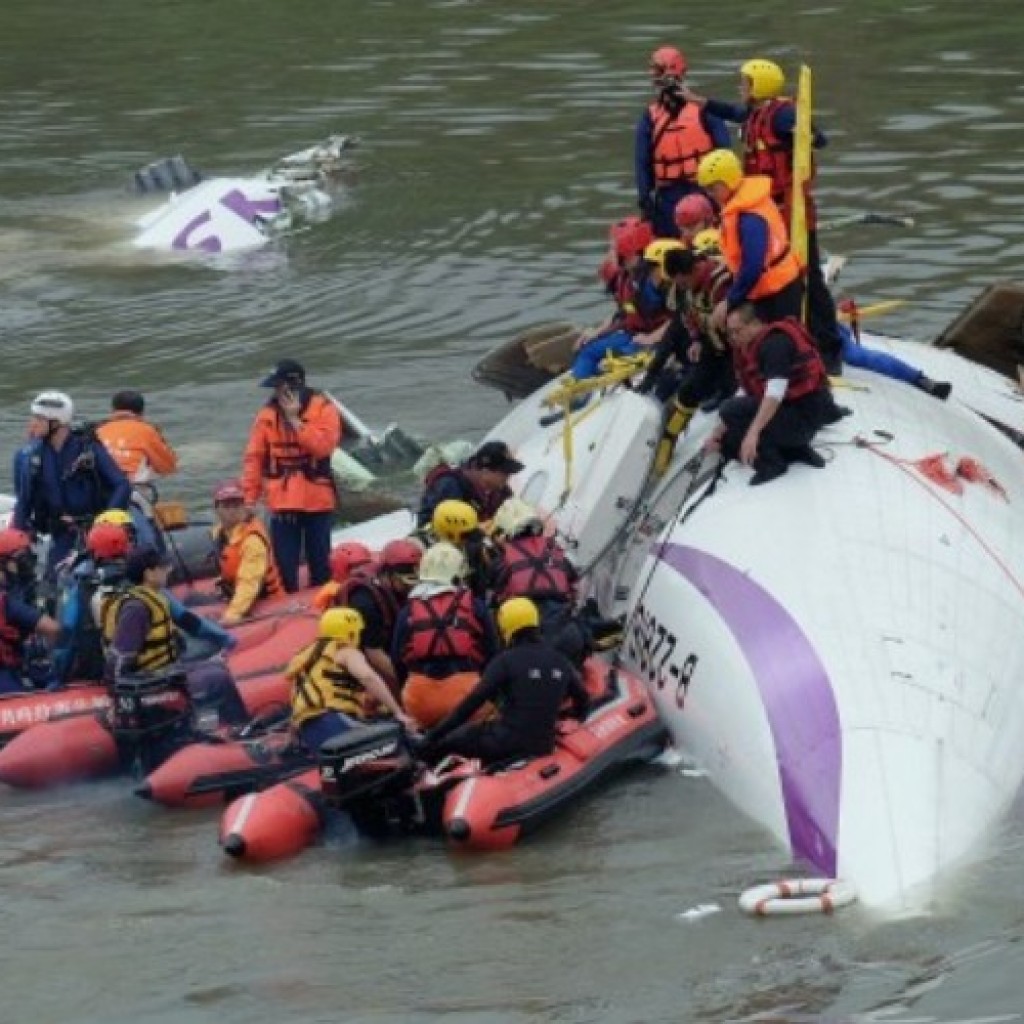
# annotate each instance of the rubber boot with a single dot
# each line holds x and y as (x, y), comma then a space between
(937, 389)
(677, 419)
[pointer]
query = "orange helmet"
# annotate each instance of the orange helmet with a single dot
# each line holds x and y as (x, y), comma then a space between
(348, 558)
(13, 542)
(401, 555)
(667, 61)
(630, 237)
(692, 210)
(106, 541)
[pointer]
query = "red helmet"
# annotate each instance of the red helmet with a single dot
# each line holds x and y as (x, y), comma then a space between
(228, 490)
(667, 60)
(13, 542)
(630, 237)
(348, 558)
(107, 541)
(692, 210)
(399, 555)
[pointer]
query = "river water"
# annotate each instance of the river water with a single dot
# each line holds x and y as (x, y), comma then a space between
(496, 148)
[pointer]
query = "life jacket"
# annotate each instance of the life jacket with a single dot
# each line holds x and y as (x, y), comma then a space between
(10, 639)
(444, 626)
(781, 266)
(383, 597)
(136, 445)
(229, 550)
(765, 152)
(807, 376)
(678, 141)
(160, 647)
(534, 567)
(712, 283)
(293, 479)
(320, 685)
(640, 304)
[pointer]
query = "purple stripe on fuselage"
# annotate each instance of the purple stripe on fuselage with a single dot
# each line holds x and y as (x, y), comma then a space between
(796, 693)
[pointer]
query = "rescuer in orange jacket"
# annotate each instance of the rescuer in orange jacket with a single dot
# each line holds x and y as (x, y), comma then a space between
(287, 462)
(248, 571)
(135, 444)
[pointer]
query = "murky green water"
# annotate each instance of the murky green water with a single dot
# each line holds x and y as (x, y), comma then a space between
(497, 146)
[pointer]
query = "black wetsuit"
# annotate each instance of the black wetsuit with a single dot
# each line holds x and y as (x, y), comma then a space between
(527, 683)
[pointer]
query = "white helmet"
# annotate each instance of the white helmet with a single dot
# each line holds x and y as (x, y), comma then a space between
(55, 406)
(443, 563)
(514, 516)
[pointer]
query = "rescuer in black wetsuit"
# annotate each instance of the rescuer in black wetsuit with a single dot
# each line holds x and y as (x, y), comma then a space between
(527, 684)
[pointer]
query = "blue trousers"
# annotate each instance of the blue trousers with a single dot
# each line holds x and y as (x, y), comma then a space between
(291, 533)
(855, 354)
(587, 362)
(10, 682)
(317, 731)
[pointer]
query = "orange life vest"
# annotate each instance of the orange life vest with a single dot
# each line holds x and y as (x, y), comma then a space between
(137, 446)
(230, 548)
(781, 266)
(808, 374)
(765, 152)
(444, 626)
(534, 567)
(678, 142)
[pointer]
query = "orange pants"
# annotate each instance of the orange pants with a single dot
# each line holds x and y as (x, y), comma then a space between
(430, 700)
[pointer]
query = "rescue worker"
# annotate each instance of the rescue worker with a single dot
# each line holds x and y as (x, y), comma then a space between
(755, 242)
(700, 282)
(97, 576)
(769, 121)
(443, 638)
(457, 522)
(63, 478)
(481, 481)
(671, 137)
(526, 684)
(379, 597)
(348, 559)
(135, 444)
(140, 624)
(785, 398)
(639, 304)
(527, 563)
(288, 462)
(331, 680)
(248, 572)
(23, 665)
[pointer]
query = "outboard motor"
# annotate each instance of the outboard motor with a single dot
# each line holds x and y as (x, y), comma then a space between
(368, 772)
(152, 717)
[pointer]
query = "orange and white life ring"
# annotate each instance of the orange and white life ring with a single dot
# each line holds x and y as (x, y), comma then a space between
(797, 896)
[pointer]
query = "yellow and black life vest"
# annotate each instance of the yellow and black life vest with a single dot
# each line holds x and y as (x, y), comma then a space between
(319, 685)
(160, 647)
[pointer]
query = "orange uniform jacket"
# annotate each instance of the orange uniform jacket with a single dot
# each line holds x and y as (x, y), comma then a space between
(137, 447)
(781, 266)
(291, 468)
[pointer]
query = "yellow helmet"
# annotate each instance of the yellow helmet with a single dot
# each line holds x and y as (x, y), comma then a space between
(515, 614)
(513, 516)
(719, 167)
(114, 516)
(767, 79)
(707, 242)
(443, 563)
(655, 252)
(452, 520)
(342, 624)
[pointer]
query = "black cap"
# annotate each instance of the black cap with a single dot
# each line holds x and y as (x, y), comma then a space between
(496, 455)
(287, 371)
(681, 261)
(141, 559)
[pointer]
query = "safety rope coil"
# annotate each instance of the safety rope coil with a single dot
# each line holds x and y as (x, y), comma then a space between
(797, 896)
